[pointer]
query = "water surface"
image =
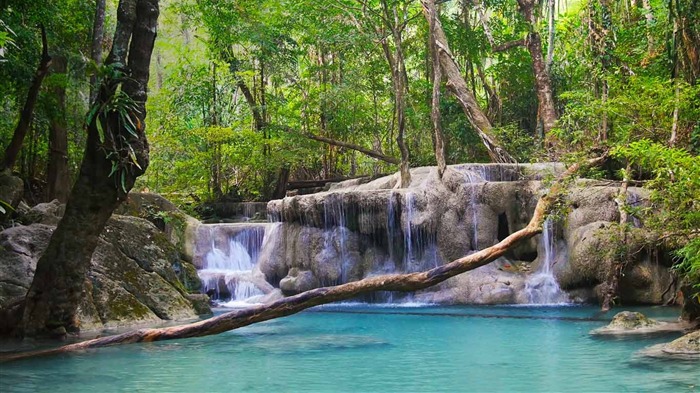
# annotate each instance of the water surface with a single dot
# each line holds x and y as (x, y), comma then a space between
(359, 348)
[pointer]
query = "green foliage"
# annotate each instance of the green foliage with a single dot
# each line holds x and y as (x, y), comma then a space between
(675, 184)
(689, 262)
(115, 103)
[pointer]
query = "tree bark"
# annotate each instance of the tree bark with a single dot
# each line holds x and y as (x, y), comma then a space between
(98, 27)
(508, 45)
(57, 172)
(363, 150)
(25, 117)
(546, 113)
(437, 79)
(291, 305)
(52, 301)
(676, 109)
(400, 84)
(551, 30)
(458, 86)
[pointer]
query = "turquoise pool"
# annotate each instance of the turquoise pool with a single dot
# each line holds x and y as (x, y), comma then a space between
(359, 348)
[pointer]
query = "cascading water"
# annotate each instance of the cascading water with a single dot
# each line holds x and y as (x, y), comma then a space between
(473, 179)
(335, 226)
(407, 232)
(228, 255)
(542, 286)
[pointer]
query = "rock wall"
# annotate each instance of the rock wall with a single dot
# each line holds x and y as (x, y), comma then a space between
(357, 230)
(137, 275)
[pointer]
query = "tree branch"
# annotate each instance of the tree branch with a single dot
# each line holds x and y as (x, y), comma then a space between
(363, 150)
(508, 45)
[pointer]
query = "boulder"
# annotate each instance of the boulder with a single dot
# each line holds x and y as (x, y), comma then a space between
(686, 345)
(49, 213)
(179, 227)
(684, 348)
(11, 192)
(631, 323)
(136, 275)
(298, 281)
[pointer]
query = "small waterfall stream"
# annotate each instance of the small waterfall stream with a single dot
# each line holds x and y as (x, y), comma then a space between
(472, 179)
(227, 255)
(542, 286)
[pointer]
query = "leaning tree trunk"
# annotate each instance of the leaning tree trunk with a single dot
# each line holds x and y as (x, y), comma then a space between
(57, 172)
(458, 86)
(25, 117)
(291, 305)
(116, 153)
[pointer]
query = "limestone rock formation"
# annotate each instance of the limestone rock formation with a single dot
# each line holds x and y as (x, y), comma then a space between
(136, 277)
(626, 321)
(686, 345)
(685, 348)
(359, 228)
(180, 228)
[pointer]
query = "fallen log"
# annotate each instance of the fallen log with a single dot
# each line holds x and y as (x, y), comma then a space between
(409, 282)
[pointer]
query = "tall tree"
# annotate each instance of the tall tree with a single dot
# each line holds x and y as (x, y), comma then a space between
(57, 176)
(546, 113)
(98, 26)
(437, 80)
(25, 118)
(115, 155)
(458, 86)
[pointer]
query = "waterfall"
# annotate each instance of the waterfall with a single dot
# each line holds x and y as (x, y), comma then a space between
(335, 227)
(407, 235)
(542, 286)
(227, 255)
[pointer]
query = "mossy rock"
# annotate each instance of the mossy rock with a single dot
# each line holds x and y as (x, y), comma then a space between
(134, 278)
(686, 345)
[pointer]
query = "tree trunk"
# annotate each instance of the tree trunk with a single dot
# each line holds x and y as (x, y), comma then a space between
(458, 86)
(550, 36)
(409, 282)
(621, 258)
(605, 62)
(649, 15)
(546, 114)
(676, 109)
(25, 117)
(437, 79)
(400, 84)
(57, 172)
(98, 27)
(52, 301)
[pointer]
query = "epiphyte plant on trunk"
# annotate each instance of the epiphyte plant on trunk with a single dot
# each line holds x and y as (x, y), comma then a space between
(115, 101)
